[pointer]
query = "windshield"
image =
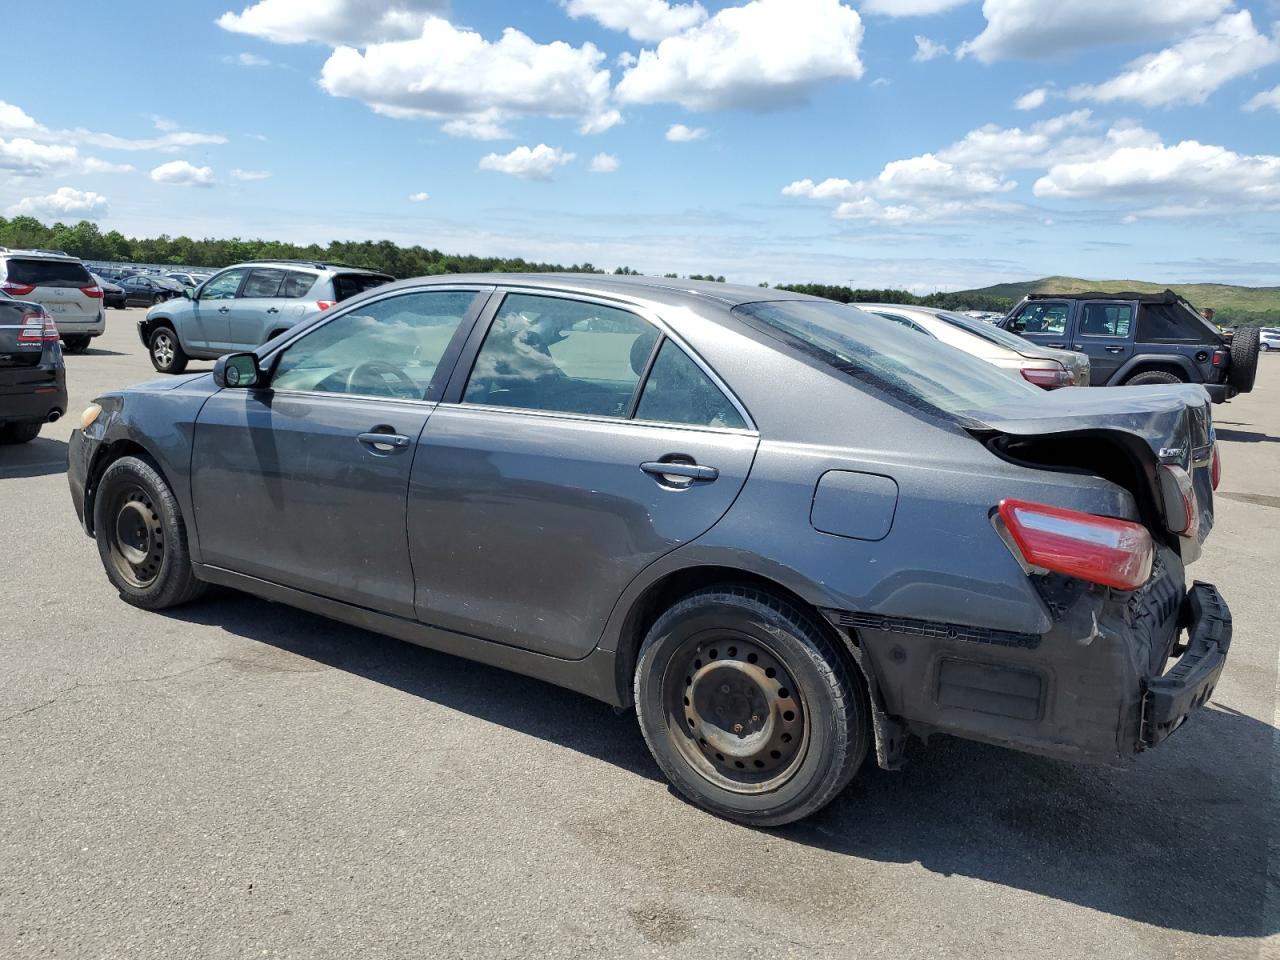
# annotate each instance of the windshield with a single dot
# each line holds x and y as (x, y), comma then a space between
(987, 331)
(921, 370)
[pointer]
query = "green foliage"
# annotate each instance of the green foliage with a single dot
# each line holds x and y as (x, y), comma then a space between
(972, 300)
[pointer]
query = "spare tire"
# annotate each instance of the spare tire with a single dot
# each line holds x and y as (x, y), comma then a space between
(1244, 358)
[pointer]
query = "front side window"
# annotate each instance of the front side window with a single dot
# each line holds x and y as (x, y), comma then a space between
(388, 348)
(678, 391)
(1106, 319)
(263, 283)
(570, 356)
(223, 286)
(1042, 316)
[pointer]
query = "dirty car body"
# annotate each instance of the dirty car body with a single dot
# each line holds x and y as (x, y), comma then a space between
(898, 498)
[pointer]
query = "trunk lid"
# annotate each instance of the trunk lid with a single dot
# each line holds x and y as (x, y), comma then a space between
(15, 318)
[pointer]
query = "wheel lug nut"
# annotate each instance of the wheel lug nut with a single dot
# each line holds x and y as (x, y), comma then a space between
(737, 728)
(724, 688)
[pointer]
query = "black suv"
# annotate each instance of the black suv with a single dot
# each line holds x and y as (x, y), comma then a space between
(1140, 338)
(33, 379)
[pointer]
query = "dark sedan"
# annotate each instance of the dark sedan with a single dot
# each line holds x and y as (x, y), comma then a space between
(33, 378)
(146, 291)
(786, 534)
(113, 294)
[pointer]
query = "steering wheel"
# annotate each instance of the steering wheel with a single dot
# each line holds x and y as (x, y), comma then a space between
(373, 371)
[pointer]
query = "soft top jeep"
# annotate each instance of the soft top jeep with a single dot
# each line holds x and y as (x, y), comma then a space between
(1140, 338)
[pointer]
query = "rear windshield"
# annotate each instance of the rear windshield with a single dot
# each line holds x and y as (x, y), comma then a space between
(987, 331)
(346, 285)
(920, 370)
(48, 273)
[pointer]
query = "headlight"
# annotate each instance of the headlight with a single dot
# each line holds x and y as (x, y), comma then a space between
(90, 414)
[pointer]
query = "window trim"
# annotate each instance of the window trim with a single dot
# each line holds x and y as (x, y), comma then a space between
(1124, 337)
(466, 361)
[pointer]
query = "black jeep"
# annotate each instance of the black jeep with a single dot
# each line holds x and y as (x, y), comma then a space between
(1140, 338)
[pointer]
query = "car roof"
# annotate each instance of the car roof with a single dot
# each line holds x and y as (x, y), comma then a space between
(309, 264)
(38, 254)
(1168, 296)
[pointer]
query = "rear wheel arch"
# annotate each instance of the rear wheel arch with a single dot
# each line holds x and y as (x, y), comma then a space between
(1175, 364)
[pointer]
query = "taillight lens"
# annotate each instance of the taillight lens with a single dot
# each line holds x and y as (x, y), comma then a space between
(1219, 358)
(1215, 467)
(1048, 377)
(1182, 509)
(94, 291)
(325, 304)
(37, 328)
(1103, 550)
(15, 289)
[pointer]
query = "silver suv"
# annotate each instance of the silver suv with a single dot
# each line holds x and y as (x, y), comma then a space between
(245, 306)
(62, 285)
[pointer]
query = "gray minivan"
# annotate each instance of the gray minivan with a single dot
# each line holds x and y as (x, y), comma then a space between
(62, 285)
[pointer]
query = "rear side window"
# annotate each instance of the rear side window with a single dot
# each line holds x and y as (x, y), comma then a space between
(678, 391)
(571, 356)
(1167, 323)
(347, 285)
(1106, 319)
(48, 273)
(297, 284)
(263, 283)
(901, 321)
(1043, 316)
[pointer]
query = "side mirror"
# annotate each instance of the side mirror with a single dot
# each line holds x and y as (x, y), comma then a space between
(1017, 326)
(237, 370)
(189, 293)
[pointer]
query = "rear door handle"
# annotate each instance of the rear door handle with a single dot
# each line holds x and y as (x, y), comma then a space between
(396, 441)
(1060, 346)
(686, 471)
(273, 309)
(224, 309)
(1115, 349)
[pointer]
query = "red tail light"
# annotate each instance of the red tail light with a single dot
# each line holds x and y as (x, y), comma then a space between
(37, 328)
(325, 304)
(1219, 357)
(15, 289)
(1048, 377)
(1103, 550)
(94, 291)
(1215, 467)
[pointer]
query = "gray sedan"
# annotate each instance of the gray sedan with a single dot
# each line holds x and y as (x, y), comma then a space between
(786, 534)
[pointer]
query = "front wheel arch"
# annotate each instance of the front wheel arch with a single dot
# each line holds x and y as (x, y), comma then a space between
(106, 455)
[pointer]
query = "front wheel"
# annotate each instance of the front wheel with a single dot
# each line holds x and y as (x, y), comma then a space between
(167, 355)
(748, 706)
(141, 537)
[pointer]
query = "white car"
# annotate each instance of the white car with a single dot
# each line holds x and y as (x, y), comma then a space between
(1269, 340)
(1044, 366)
(61, 285)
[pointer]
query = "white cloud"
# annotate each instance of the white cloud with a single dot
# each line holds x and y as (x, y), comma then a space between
(927, 49)
(537, 163)
(1042, 29)
(26, 158)
(14, 119)
(1267, 98)
(335, 22)
(679, 133)
(420, 197)
(880, 82)
(1183, 177)
(642, 19)
(908, 8)
(1192, 69)
(762, 55)
(94, 165)
(1012, 148)
(604, 163)
(250, 174)
(183, 173)
(454, 74)
(246, 60)
(63, 202)
(163, 123)
(1032, 100)
(168, 143)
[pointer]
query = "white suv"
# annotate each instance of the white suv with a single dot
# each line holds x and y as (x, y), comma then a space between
(61, 285)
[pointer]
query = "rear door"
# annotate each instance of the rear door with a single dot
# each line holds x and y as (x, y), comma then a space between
(583, 445)
(1104, 330)
(255, 308)
(1043, 321)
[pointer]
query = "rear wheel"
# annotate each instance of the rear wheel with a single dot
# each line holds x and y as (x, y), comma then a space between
(20, 432)
(77, 343)
(1153, 376)
(748, 707)
(142, 538)
(166, 352)
(1244, 358)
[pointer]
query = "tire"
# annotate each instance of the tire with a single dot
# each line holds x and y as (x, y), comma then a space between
(748, 707)
(77, 343)
(142, 538)
(155, 298)
(1262, 346)
(1152, 377)
(165, 350)
(20, 432)
(1244, 358)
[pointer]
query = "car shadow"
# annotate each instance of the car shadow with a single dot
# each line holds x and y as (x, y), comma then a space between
(40, 457)
(1245, 436)
(1177, 839)
(98, 352)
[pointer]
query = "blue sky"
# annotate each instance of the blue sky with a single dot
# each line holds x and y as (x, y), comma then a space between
(927, 144)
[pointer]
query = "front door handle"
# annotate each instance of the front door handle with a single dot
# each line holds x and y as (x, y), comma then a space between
(273, 309)
(1060, 346)
(224, 309)
(1115, 349)
(384, 442)
(678, 471)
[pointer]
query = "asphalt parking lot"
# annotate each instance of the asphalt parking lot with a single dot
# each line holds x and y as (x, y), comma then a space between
(239, 779)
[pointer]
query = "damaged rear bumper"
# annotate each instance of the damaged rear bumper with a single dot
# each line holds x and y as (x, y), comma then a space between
(1093, 688)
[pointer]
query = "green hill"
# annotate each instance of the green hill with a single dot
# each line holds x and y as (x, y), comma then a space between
(1232, 304)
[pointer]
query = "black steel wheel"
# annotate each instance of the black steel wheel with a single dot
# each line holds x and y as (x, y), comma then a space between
(141, 537)
(749, 706)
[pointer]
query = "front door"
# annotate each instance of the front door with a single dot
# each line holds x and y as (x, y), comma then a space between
(304, 481)
(1044, 322)
(211, 311)
(1104, 330)
(583, 446)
